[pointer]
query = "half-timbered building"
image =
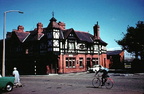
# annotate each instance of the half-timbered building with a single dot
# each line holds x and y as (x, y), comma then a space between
(54, 49)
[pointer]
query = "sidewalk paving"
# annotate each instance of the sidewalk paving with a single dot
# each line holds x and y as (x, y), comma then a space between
(82, 73)
(111, 74)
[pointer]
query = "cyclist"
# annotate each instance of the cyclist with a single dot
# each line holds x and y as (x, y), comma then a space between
(104, 75)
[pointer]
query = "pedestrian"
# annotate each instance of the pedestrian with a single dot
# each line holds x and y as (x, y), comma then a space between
(17, 77)
(47, 70)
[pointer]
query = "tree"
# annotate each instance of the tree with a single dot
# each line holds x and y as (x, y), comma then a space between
(133, 40)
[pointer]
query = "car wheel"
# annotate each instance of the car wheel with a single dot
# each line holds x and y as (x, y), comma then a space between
(9, 87)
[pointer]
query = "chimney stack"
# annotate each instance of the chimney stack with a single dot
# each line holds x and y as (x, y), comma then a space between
(20, 28)
(96, 31)
(62, 25)
(39, 27)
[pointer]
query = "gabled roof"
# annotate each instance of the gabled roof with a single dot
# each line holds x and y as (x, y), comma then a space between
(67, 32)
(84, 36)
(40, 36)
(35, 36)
(22, 36)
(115, 52)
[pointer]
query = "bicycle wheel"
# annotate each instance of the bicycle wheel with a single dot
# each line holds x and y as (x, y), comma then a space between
(96, 82)
(109, 83)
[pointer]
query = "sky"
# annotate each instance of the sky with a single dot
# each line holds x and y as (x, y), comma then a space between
(113, 16)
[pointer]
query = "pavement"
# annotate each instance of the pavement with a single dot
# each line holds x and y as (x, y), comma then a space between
(111, 74)
(80, 73)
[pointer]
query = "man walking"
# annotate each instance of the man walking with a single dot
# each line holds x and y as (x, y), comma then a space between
(17, 77)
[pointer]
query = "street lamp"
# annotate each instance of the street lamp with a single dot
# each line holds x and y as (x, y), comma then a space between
(4, 34)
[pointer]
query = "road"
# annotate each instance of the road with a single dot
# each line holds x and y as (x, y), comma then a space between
(78, 83)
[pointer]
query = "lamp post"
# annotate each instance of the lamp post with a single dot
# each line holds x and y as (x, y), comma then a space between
(4, 34)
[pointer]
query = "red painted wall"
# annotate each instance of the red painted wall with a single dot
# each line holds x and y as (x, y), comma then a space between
(62, 62)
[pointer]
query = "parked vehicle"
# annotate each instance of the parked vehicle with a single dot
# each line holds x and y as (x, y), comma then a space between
(7, 83)
(94, 68)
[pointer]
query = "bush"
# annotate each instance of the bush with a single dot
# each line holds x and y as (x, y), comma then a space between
(137, 65)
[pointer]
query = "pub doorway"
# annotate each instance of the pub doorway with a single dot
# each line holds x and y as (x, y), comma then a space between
(52, 64)
(88, 62)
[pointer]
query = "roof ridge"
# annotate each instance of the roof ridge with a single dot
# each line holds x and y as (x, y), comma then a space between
(81, 31)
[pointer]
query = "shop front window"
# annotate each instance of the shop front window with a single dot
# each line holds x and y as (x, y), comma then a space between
(70, 62)
(94, 61)
(81, 62)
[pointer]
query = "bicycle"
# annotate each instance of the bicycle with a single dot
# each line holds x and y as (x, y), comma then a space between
(97, 82)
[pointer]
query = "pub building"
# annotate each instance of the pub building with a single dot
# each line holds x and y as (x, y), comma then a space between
(54, 49)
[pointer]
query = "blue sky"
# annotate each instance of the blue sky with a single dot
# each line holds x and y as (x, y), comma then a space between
(113, 16)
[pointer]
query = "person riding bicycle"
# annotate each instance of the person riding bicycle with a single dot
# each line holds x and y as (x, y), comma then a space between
(104, 75)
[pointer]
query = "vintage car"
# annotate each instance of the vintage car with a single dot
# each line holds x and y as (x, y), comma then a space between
(95, 68)
(6, 83)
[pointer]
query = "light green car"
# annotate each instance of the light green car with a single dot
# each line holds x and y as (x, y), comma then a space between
(6, 83)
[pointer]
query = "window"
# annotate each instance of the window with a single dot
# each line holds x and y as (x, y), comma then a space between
(55, 49)
(26, 51)
(49, 43)
(71, 35)
(94, 61)
(81, 62)
(56, 35)
(43, 46)
(71, 45)
(70, 62)
(95, 47)
(49, 35)
(19, 49)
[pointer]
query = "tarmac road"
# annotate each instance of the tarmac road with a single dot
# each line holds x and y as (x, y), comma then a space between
(78, 83)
